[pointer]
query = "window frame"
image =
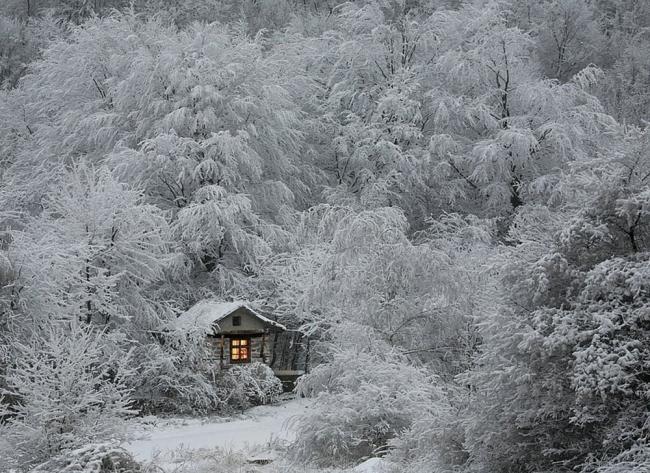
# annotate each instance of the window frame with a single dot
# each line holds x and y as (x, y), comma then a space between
(240, 338)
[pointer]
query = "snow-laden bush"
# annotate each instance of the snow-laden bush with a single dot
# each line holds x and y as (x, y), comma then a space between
(69, 393)
(243, 386)
(225, 460)
(636, 458)
(100, 458)
(170, 378)
(363, 401)
(203, 460)
(432, 443)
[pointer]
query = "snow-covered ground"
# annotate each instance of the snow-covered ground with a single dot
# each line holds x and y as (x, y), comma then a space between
(195, 445)
(253, 430)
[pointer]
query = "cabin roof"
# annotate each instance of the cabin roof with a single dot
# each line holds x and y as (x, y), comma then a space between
(205, 314)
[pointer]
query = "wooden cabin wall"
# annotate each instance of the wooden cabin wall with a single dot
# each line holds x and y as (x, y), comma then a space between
(214, 349)
(283, 351)
(290, 351)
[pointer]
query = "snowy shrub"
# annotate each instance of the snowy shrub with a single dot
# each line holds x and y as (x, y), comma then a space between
(99, 458)
(244, 386)
(433, 442)
(363, 402)
(170, 379)
(188, 460)
(220, 460)
(564, 361)
(70, 393)
(636, 458)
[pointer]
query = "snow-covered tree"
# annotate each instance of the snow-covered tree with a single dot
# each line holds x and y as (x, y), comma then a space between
(561, 374)
(373, 98)
(99, 254)
(363, 402)
(358, 269)
(91, 253)
(201, 119)
(501, 132)
(68, 391)
(568, 35)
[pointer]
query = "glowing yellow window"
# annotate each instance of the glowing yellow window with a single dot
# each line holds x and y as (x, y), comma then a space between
(240, 350)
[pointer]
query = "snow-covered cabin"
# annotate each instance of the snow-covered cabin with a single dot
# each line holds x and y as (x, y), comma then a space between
(235, 332)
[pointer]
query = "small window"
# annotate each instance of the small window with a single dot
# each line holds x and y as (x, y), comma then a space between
(236, 320)
(240, 350)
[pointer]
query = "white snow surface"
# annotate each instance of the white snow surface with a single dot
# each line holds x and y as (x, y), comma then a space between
(203, 315)
(256, 427)
(372, 465)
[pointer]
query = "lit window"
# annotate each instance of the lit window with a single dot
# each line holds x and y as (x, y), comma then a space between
(240, 350)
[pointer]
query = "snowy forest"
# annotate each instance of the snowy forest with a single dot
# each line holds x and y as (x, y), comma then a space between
(447, 200)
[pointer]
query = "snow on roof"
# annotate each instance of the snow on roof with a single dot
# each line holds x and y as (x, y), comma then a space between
(203, 315)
